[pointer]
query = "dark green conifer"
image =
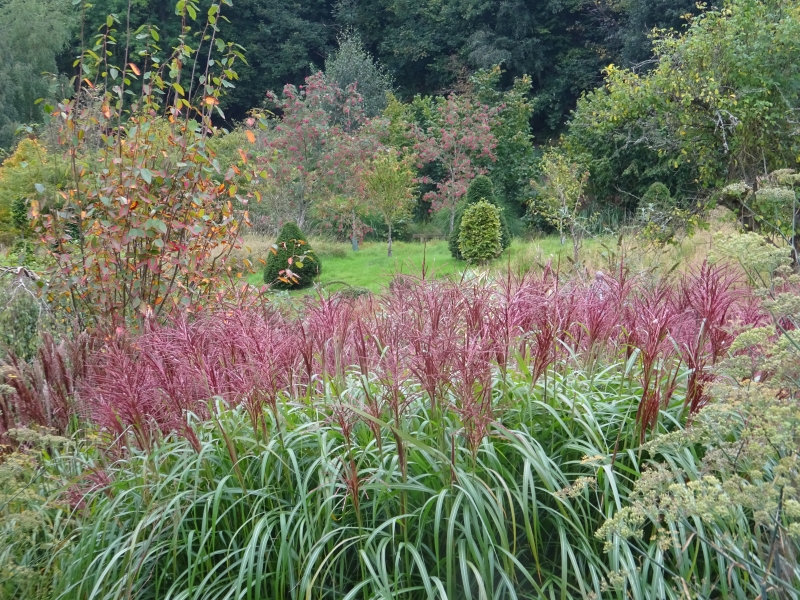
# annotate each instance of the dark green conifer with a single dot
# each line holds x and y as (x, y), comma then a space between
(481, 188)
(292, 263)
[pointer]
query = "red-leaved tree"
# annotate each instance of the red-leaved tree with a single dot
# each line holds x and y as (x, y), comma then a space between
(461, 136)
(312, 157)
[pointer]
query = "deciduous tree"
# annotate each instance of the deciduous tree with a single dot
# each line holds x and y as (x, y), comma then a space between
(461, 135)
(389, 188)
(561, 196)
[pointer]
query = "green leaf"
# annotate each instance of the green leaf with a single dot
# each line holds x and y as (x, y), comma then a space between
(156, 224)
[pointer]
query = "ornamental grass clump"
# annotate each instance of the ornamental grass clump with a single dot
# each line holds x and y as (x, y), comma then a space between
(367, 488)
(439, 440)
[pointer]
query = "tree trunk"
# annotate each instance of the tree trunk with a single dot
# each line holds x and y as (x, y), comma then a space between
(355, 234)
(452, 218)
(390, 239)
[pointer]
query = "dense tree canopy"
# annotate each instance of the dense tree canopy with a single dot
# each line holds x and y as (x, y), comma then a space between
(32, 34)
(427, 47)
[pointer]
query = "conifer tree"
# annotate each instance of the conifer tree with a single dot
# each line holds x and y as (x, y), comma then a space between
(292, 264)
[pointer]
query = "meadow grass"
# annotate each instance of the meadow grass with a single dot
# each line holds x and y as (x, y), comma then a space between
(372, 269)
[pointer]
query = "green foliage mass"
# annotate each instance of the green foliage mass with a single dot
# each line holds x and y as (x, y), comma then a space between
(514, 167)
(426, 46)
(33, 520)
(292, 264)
(351, 64)
(715, 108)
(32, 35)
(30, 165)
(19, 320)
(661, 218)
(481, 188)
(641, 17)
(479, 239)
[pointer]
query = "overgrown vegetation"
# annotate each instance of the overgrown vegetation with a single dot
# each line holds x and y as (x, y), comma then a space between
(617, 419)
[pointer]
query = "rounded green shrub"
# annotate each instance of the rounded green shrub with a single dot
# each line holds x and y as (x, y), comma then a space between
(292, 263)
(658, 196)
(480, 239)
(481, 188)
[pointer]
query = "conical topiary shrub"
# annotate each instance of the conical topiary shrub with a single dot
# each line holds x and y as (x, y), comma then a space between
(481, 188)
(292, 263)
(479, 240)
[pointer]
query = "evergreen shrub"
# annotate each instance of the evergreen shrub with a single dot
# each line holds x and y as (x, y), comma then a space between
(481, 188)
(480, 238)
(292, 264)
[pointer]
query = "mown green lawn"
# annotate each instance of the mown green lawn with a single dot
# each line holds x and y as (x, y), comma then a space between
(371, 268)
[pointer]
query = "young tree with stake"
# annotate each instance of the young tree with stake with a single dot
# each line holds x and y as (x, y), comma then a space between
(389, 188)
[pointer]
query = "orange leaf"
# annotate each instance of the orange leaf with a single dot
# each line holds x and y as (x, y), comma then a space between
(243, 155)
(250, 137)
(135, 69)
(210, 100)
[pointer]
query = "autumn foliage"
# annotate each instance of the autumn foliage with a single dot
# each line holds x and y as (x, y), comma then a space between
(145, 225)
